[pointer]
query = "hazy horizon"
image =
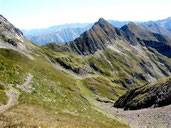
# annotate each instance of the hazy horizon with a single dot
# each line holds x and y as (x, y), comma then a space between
(35, 14)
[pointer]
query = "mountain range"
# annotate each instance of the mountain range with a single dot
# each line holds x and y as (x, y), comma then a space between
(82, 83)
(69, 32)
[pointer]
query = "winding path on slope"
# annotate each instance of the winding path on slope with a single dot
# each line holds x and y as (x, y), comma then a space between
(26, 86)
(13, 94)
(12, 99)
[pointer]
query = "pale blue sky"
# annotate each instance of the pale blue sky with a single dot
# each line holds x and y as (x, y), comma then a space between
(43, 13)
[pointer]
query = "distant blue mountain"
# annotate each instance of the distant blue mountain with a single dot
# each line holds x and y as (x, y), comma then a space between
(53, 29)
(68, 32)
(62, 36)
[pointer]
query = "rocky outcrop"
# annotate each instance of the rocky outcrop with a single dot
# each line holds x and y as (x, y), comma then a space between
(84, 70)
(12, 42)
(97, 38)
(7, 28)
(68, 63)
(156, 95)
(12, 38)
(161, 47)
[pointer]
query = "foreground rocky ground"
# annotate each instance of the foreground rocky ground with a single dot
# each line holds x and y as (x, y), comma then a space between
(143, 118)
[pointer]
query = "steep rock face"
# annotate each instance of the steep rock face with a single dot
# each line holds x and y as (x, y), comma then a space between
(97, 38)
(134, 31)
(103, 34)
(110, 51)
(157, 94)
(12, 38)
(7, 28)
(126, 56)
(159, 42)
(160, 47)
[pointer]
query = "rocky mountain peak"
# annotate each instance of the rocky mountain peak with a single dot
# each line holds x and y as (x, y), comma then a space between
(131, 24)
(101, 21)
(98, 37)
(134, 30)
(12, 38)
(103, 24)
(7, 28)
(3, 18)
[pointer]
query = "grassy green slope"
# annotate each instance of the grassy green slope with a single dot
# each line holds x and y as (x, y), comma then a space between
(129, 64)
(4, 98)
(56, 99)
(65, 95)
